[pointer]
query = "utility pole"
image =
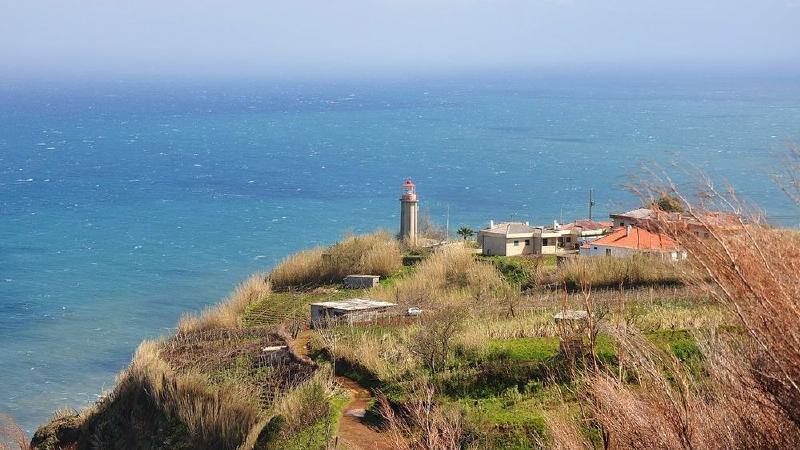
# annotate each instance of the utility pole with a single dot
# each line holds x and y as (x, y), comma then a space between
(591, 202)
(447, 225)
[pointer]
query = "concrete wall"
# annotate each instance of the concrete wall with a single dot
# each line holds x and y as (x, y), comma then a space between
(501, 246)
(520, 246)
(360, 281)
(600, 250)
(322, 316)
(493, 245)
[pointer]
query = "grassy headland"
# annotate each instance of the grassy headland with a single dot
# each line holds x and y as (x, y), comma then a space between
(482, 360)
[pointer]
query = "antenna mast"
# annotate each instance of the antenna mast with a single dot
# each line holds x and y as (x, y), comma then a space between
(591, 202)
(447, 225)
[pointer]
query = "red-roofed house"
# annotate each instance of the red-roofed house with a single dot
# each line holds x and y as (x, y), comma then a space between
(630, 240)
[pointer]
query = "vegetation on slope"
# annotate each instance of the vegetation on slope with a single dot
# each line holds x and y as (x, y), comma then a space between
(669, 354)
(375, 254)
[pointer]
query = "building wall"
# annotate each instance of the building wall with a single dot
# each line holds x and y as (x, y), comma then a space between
(493, 245)
(322, 316)
(559, 242)
(520, 246)
(620, 222)
(505, 246)
(317, 316)
(617, 252)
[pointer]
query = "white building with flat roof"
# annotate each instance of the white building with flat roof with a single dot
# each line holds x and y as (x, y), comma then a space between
(351, 310)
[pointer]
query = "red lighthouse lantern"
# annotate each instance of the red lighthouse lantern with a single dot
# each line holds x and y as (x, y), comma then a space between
(409, 191)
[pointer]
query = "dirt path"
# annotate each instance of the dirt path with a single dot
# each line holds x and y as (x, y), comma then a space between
(353, 432)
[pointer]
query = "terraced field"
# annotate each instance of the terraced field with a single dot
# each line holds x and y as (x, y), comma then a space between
(291, 307)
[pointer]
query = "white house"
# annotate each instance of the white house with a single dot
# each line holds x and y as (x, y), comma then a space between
(510, 239)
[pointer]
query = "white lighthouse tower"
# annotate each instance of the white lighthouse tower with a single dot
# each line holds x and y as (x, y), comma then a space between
(409, 212)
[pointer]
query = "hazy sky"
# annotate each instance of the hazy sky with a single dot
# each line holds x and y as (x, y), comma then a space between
(261, 37)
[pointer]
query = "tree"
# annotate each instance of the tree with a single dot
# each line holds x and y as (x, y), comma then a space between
(466, 232)
(433, 342)
(669, 203)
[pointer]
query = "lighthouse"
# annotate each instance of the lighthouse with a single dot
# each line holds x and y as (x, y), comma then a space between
(409, 212)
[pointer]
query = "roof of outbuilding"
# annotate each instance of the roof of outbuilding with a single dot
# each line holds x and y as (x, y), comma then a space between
(354, 304)
(586, 224)
(637, 239)
(640, 213)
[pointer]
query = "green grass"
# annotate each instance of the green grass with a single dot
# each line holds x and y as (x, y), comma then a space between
(511, 420)
(399, 273)
(536, 349)
(317, 435)
(540, 349)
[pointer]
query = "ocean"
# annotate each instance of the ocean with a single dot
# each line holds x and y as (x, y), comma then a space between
(124, 204)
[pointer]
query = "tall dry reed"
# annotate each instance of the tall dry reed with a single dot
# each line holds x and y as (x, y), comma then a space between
(373, 254)
(12, 436)
(749, 396)
(449, 272)
(228, 313)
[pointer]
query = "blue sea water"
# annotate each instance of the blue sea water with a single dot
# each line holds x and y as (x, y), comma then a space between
(125, 204)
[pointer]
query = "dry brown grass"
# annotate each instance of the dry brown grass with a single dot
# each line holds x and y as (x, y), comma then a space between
(228, 313)
(753, 269)
(422, 424)
(218, 418)
(374, 254)
(749, 395)
(608, 271)
(386, 355)
(668, 408)
(151, 396)
(451, 271)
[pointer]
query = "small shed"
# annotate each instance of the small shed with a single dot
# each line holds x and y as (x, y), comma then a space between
(351, 310)
(361, 281)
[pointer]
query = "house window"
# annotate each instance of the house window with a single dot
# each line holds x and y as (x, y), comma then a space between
(527, 242)
(516, 243)
(568, 239)
(608, 251)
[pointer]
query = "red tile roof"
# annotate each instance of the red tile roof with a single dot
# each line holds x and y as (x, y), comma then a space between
(637, 239)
